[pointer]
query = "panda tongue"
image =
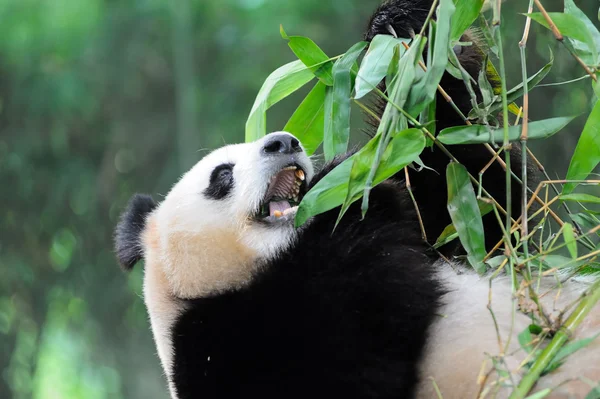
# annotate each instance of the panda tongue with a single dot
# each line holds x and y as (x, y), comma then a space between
(278, 206)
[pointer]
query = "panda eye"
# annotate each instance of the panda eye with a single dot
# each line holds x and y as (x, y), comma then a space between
(221, 182)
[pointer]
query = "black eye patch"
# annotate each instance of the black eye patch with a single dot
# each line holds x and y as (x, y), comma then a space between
(221, 182)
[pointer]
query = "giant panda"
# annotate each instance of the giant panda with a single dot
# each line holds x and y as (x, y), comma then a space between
(243, 304)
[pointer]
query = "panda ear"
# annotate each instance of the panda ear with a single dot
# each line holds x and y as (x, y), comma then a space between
(128, 246)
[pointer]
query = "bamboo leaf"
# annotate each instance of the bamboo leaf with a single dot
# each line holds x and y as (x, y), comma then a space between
(465, 214)
(572, 27)
(571, 9)
(570, 241)
(331, 191)
(337, 111)
(559, 262)
(374, 66)
(311, 55)
(425, 90)
(450, 233)
(581, 198)
(516, 92)
(308, 121)
(541, 394)
(567, 350)
(586, 222)
(280, 84)
(479, 134)
(587, 153)
(466, 13)
(525, 339)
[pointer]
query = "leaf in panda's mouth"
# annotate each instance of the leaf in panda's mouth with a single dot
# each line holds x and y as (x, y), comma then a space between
(285, 192)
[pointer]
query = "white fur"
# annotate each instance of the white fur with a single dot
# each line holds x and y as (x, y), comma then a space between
(196, 246)
(465, 333)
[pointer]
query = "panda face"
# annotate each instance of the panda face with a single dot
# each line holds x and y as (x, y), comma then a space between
(232, 209)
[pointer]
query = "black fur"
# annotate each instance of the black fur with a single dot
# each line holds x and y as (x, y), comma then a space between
(430, 186)
(127, 234)
(336, 316)
(221, 182)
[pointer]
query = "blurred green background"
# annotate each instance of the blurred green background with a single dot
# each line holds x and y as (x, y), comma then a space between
(100, 99)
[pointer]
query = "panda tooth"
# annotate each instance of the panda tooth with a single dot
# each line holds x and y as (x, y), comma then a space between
(278, 214)
(290, 168)
(300, 174)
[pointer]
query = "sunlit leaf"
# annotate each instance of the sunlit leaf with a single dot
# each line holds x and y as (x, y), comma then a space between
(280, 84)
(392, 120)
(587, 153)
(331, 191)
(337, 104)
(572, 27)
(466, 13)
(465, 214)
(307, 122)
(311, 55)
(426, 89)
(479, 134)
(374, 66)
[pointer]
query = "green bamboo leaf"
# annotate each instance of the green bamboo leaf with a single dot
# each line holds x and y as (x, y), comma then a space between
(479, 134)
(450, 233)
(465, 214)
(541, 394)
(280, 84)
(308, 121)
(525, 339)
(571, 9)
(567, 350)
(586, 221)
(587, 153)
(331, 191)
(570, 241)
(581, 198)
(466, 13)
(572, 27)
(559, 262)
(595, 392)
(392, 121)
(374, 66)
(337, 101)
(311, 55)
(516, 92)
(425, 90)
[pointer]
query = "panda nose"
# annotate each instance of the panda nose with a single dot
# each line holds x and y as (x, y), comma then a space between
(282, 144)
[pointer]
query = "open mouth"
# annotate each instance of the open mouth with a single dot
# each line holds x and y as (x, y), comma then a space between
(284, 193)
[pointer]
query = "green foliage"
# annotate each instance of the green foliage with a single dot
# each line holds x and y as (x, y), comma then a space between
(337, 104)
(280, 84)
(465, 214)
(587, 152)
(479, 134)
(374, 66)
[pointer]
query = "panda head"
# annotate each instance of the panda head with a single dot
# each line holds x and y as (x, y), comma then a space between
(233, 208)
